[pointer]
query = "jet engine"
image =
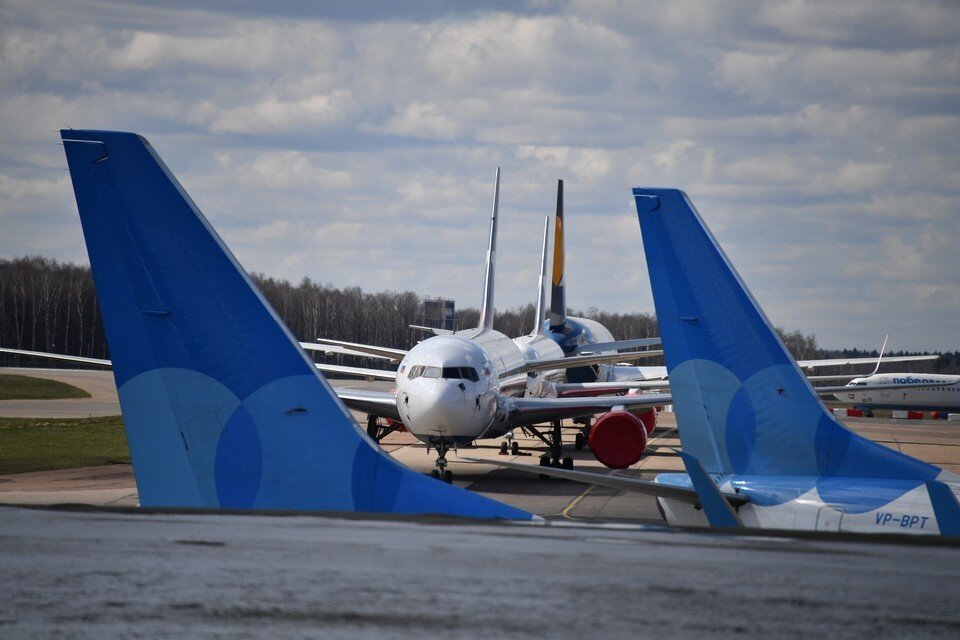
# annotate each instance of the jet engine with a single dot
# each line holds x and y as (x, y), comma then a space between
(649, 419)
(619, 438)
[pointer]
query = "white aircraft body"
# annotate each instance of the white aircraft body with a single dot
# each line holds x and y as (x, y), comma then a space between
(886, 391)
(759, 448)
(454, 388)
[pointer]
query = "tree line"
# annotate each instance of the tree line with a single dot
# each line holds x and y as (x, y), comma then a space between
(46, 305)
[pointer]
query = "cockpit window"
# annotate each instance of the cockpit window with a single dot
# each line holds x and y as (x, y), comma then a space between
(450, 373)
(461, 373)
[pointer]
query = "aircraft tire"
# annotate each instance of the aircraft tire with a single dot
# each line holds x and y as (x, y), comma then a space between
(544, 462)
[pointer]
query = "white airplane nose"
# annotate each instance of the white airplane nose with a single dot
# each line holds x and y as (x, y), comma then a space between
(443, 407)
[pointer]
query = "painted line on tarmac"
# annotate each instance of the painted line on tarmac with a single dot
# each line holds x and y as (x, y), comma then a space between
(573, 503)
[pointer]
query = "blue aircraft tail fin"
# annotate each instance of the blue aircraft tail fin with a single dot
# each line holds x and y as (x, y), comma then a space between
(743, 406)
(222, 408)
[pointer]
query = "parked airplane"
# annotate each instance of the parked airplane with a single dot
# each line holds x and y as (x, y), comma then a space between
(222, 409)
(941, 394)
(759, 447)
(477, 383)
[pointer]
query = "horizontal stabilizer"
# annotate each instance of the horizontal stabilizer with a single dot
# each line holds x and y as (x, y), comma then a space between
(719, 513)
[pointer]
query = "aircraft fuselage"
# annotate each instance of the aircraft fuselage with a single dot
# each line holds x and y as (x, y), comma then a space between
(856, 505)
(945, 397)
(453, 387)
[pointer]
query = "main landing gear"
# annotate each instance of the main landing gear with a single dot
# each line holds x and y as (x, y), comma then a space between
(441, 472)
(583, 436)
(554, 440)
(509, 445)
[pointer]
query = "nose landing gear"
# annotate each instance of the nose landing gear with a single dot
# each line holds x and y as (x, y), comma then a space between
(441, 472)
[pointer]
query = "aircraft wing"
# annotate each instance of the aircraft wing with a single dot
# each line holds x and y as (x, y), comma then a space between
(361, 372)
(434, 330)
(57, 356)
(836, 362)
(580, 389)
(619, 345)
(846, 388)
(367, 349)
(586, 360)
(377, 374)
(380, 403)
(623, 483)
(525, 411)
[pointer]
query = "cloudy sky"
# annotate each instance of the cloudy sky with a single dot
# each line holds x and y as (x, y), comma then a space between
(357, 144)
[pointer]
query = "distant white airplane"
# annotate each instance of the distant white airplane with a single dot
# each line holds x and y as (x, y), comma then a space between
(454, 388)
(885, 391)
(759, 448)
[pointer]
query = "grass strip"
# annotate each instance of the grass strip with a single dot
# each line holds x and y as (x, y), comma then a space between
(41, 444)
(15, 387)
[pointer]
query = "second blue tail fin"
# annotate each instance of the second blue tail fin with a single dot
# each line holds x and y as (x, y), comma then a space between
(222, 408)
(743, 406)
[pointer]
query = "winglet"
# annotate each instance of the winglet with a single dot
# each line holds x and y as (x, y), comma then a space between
(882, 349)
(558, 292)
(486, 311)
(718, 511)
(221, 406)
(945, 507)
(542, 288)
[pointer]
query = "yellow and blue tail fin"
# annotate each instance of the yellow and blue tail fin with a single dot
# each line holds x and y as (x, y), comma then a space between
(222, 407)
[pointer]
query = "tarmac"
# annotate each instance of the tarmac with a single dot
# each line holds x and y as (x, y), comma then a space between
(937, 442)
(603, 565)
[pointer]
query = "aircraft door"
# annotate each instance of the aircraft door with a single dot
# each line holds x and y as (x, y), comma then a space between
(829, 518)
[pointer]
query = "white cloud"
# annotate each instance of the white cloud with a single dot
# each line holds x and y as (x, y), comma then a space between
(818, 140)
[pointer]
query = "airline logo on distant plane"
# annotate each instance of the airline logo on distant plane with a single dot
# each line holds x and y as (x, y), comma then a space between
(912, 380)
